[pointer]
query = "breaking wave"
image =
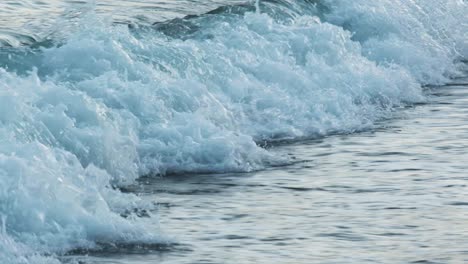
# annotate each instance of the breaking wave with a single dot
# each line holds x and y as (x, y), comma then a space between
(83, 115)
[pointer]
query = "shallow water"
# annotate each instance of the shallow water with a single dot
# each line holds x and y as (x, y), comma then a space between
(309, 131)
(396, 194)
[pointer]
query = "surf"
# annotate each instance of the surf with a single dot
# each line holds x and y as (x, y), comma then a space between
(89, 112)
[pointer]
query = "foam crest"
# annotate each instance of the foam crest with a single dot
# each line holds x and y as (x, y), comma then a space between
(425, 37)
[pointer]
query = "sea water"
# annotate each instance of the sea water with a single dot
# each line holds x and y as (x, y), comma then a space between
(233, 131)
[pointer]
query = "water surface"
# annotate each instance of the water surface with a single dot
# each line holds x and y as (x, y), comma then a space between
(229, 132)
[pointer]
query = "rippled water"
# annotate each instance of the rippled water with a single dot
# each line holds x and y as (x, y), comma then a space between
(22, 22)
(309, 131)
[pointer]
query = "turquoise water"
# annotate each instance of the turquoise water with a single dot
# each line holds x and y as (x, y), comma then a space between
(233, 131)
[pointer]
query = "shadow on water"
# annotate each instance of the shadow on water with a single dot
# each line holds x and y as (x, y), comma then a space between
(281, 10)
(109, 249)
(118, 252)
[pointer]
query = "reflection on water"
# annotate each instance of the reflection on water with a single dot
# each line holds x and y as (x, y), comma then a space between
(393, 195)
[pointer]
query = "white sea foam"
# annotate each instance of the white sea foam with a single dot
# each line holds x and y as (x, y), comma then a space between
(110, 104)
(422, 36)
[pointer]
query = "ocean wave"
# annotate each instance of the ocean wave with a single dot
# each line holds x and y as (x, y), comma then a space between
(112, 102)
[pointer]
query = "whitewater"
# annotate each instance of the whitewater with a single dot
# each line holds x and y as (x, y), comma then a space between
(97, 94)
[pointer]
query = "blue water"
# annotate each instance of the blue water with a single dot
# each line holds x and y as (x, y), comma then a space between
(233, 131)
